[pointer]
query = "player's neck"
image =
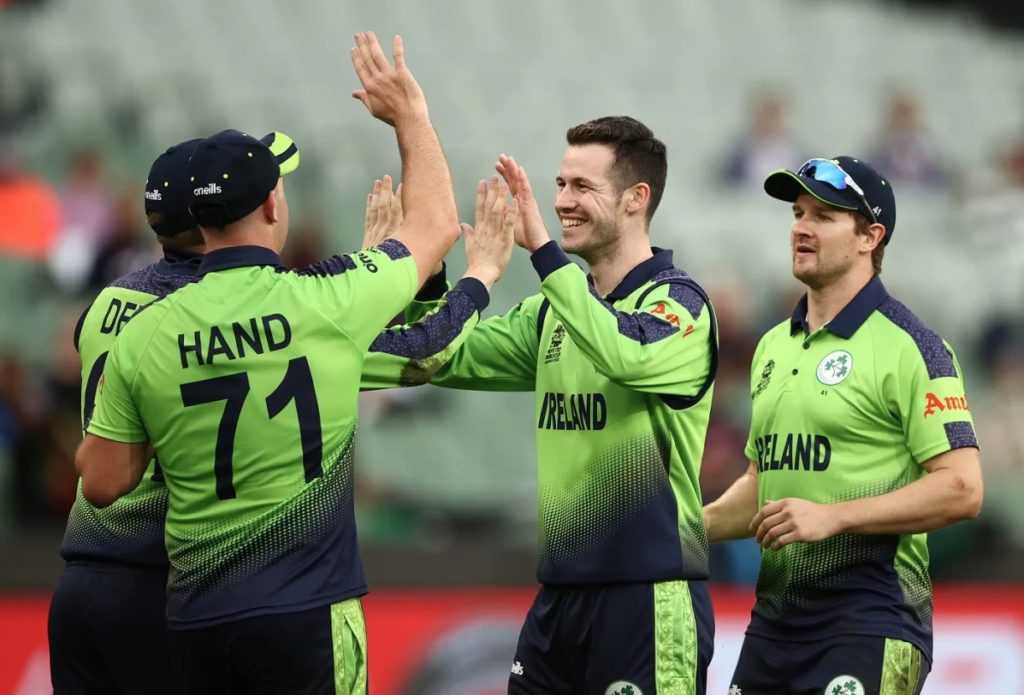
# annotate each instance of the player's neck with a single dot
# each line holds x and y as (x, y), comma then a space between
(608, 269)
(824, 303)
(241, 235)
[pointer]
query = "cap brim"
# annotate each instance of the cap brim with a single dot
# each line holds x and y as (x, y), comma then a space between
(785, 185)
(284, 149)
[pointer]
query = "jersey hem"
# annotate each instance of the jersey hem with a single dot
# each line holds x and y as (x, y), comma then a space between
(198, 623)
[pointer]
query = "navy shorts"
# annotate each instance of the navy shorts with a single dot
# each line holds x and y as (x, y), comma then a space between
(107, 630)
(851, 665)
(320, 650)
(615, 639)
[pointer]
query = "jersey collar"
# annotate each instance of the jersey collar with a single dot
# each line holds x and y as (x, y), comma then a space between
(661, 260)
(238, 257)
(852, 316)
(184, 262)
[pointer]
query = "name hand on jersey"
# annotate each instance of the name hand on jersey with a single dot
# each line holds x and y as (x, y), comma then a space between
(265, 334)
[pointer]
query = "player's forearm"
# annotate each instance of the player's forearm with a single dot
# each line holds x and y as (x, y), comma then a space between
(431, 224)
(109, 470)
(728, 517)
(939, 499)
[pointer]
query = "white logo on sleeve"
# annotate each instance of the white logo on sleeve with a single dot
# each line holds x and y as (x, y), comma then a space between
(735, 690)
(835, 367)
(154, 195)
(517, 668)
(623, 688)
(844, 685)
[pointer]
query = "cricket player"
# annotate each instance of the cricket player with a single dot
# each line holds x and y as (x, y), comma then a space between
(861, 441)
(244, 383)
(622, 363)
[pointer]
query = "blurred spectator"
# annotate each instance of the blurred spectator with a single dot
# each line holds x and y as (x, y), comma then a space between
(88, 221)
(63, 424)
(22, 415)
(998, 413)
(124, 248)
(765, 146)
(903, 150)
(31, 212)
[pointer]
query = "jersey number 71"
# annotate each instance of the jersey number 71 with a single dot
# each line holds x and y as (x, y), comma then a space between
(297, 386)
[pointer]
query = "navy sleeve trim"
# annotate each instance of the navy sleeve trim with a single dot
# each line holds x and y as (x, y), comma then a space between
(960, 435)
(435, 286)
(548, 258)
(475, 290)
(335, 265)
(428, 337)
(394, 249)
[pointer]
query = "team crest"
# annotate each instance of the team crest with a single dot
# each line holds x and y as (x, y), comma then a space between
(835, 367)
(844, 685)
(623, 688)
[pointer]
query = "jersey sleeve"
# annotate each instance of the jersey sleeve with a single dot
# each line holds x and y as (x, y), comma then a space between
(367, 289)
(411, 354)
(429, 297)
(115, 415)
(664, 347)
(927, 392)
(499, 354)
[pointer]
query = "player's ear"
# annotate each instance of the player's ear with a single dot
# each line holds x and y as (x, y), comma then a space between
(874, 236)
(270, 205)
(637, 197)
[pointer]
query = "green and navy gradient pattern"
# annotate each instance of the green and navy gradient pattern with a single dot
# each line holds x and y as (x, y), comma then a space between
(130, 531)
(900, 403)
(619, 498)
(254, 525)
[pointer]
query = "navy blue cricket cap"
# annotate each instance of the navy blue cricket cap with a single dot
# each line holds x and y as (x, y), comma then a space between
(232, 173)
(168, 190)
(842, 182)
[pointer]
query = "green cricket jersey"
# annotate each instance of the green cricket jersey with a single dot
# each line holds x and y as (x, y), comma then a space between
(246, 384)
(130, 531)
(851, 410)
(623, 394)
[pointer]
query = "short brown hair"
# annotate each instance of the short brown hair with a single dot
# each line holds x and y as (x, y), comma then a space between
(862, 224)
(639, 156)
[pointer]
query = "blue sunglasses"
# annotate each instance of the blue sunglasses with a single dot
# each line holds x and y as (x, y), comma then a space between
(827, 171)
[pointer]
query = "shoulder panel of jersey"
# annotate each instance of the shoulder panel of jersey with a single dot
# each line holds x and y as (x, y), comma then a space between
(130, 531)
(618, 467)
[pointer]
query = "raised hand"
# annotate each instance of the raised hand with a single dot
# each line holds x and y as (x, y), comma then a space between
(383, 212)
(530, 232)
(489, 244)
(390, 92)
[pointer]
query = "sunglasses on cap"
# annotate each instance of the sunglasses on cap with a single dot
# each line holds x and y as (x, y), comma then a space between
(827, 171)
